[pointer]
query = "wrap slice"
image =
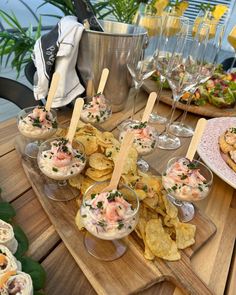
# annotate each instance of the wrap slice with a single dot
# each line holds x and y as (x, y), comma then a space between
(7, 236)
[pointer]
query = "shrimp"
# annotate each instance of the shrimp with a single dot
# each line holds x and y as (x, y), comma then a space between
(61, 159)
(39, 113)
(111, 212)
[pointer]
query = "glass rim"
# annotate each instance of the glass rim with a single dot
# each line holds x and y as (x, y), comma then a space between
(56, 137)
(136, 210)
(196, 161)
(54, 113)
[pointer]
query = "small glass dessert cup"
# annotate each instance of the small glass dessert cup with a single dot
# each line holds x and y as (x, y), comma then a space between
(36, 125)
(60, 160)
(108, 217)
(186, 181)
(145, 140)
(96, 110)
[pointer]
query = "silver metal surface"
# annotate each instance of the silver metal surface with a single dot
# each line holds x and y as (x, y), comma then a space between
(108, 49)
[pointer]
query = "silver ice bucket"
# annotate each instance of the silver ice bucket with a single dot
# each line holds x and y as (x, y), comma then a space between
(108, 49)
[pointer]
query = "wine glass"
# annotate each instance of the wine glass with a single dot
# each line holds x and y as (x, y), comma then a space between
(36, 124)
(186, 181)
(170, 47)
(108, 217)
(141, 60)
(232, 41)
(59, 160)
(209, 61)
(145, 140)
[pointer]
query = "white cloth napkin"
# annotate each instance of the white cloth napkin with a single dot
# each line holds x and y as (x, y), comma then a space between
(57, 51)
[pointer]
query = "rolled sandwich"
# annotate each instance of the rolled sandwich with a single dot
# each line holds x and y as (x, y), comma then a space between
(7, 236)
(8, 262)
(19, 283)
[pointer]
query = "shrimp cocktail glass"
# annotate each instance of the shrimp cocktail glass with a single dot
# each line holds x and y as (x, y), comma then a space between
(59, 159)
(145, 139)
(108, 216)
(96, 110)
(186, 181)
(36, 124)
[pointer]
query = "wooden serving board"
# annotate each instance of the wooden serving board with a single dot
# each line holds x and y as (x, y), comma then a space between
(207, 110)
(131, 273)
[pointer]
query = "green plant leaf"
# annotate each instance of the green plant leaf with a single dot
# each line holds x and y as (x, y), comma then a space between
(7, 212)
(35, 270)
(23, 243)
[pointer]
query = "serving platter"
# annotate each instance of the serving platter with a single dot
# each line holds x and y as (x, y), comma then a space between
(137, 273)
(209, 151)
(207, 110)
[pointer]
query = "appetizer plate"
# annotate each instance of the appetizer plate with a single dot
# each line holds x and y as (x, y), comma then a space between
(209, 151)
(207, 110)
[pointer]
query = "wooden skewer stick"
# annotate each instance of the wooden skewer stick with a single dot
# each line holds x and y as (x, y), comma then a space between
(52, 90)
(79, 103)
(103, 80)
(201, 124)
(120, 161)
(149, 106)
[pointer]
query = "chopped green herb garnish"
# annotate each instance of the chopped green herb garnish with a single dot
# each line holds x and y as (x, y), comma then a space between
(192, 165)
(93, 196)
(120, 225)
(54, 169)
(100, 205)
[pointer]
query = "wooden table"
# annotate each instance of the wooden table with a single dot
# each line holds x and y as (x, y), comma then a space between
(215, 263)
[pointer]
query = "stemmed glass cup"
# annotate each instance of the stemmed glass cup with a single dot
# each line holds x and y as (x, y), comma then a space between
(145, 140)
(185, 182)
(141, 60)
(36, 125)
(209, 61)
(60, 160)
(108, 218)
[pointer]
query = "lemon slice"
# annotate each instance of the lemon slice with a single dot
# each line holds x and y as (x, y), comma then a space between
(180, 9)
(219, 11)
(160, 5)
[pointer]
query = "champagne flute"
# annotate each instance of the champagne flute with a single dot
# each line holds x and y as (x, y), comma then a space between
(141, 61)
(182, 74)
(232, 41)
(173, 34)
(209, 61)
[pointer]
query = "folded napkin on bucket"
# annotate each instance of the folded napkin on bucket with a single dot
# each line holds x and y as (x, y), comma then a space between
(57, 51)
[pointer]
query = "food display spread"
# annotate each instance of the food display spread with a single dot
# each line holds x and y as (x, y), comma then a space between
(219, 90)
(158, 218)
(227, 143)
(37, 123)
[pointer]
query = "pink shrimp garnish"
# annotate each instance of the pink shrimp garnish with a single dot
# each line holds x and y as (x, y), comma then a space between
(39, 113)
(61, 159)
(111, 212)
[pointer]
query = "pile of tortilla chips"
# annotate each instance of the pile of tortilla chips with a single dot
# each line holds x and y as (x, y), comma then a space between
(159, 227)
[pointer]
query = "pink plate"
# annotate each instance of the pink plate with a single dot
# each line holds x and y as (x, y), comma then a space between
(209, 151)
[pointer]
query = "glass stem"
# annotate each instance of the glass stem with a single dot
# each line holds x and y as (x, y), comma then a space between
(171, 116)
(62, 182)
(159, 91)
(187, 108)
(233, 62)
(137, 88)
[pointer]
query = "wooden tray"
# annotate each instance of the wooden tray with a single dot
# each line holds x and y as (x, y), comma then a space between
(132, 272)
(207, 110)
